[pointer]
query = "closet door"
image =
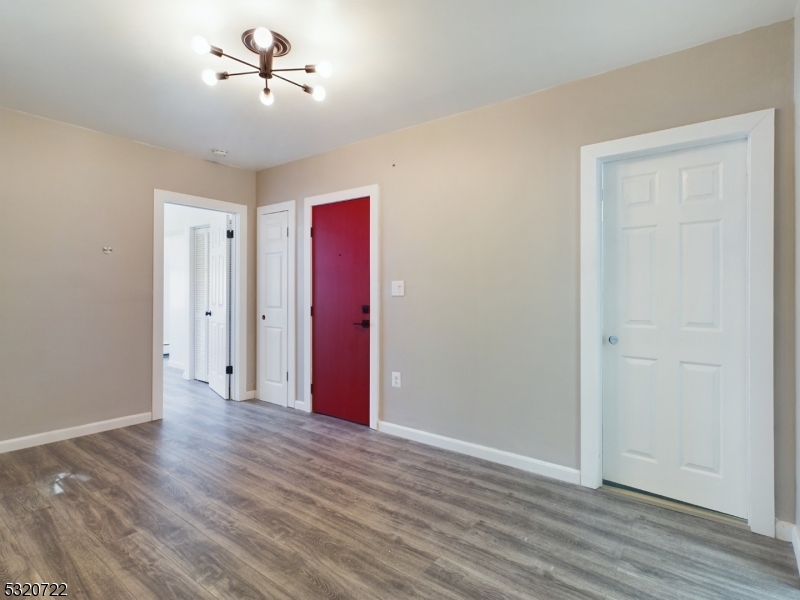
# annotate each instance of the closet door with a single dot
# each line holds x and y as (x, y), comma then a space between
(201, 303)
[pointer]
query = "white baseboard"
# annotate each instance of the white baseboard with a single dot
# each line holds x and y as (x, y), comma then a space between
(532, 465)
(302, 405)
(796, 545)
(789, 533)
(58, 435)
(783, 530)
(176, 365)
(249, 395)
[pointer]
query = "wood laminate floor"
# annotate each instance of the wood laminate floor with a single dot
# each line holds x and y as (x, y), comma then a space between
(247, 500)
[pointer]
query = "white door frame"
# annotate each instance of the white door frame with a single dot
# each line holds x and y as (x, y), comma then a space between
(758, 129)
(289, 207)
(239, 287)
(373, 191)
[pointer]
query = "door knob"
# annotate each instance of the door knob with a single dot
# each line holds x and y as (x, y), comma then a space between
(613, 340)
(208, 313)
(364, 324)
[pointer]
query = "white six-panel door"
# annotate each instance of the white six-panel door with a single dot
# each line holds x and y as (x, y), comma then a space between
(675, 243)
(273, 310)
(218, 305)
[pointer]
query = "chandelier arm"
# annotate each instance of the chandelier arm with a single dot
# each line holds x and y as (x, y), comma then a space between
(288, 80)
(238, 60)
(281, 70)
(243, 73)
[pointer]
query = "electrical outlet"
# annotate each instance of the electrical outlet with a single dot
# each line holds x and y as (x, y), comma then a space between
(398, 288)
(395, 379)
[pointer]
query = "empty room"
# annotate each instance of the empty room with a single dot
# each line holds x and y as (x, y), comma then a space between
(444, 299)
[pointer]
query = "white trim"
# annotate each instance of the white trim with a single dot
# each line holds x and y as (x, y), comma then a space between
(373, 191)
(37, 439)
(249, 395)
(796, 546)
(289, 206)
(532, 465)
(759, 129)
(239, 299)
(784, 530)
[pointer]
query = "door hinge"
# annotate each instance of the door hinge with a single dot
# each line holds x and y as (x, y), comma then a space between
(287, 375)
(312, 388)
(229, 370)
(230, 234)
(311, 229)
(312, 311)
(287, 232)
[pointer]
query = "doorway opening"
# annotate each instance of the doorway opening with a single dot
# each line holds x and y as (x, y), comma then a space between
(197, 291)
(199, 298)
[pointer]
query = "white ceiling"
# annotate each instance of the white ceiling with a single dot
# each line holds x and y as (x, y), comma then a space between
(126, 67)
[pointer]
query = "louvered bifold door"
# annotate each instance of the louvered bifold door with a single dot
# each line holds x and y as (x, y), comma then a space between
(201, 303)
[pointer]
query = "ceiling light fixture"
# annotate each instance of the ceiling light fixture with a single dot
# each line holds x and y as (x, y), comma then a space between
(268, 45)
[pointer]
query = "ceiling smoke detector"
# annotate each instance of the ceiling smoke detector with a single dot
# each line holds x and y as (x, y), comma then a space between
(219, 153)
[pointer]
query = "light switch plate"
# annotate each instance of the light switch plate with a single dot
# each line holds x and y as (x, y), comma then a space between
(396, 379)
(398, 288)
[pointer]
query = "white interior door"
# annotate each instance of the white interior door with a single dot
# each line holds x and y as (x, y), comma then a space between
(201, 302)
(674, 406)
(218, 307)
(273, 308)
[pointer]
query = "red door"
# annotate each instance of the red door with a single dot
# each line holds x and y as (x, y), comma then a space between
(340, 317)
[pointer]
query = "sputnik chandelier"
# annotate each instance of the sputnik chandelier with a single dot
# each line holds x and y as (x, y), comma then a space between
(268, 45)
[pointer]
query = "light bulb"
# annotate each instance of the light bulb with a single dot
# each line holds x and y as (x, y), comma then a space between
(263, 38)
(200, 45)
(319, 93)
(210, 77)
(267, 97)
(325, 69)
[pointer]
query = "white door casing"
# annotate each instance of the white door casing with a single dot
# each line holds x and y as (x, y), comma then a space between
(373, 191)
(758, 129)
(201, 302)
(674, 264)
(218, 306)
(273, 300)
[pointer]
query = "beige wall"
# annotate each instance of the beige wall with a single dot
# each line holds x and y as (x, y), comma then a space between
(797, 255)
(480, 218)
(75, 331)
